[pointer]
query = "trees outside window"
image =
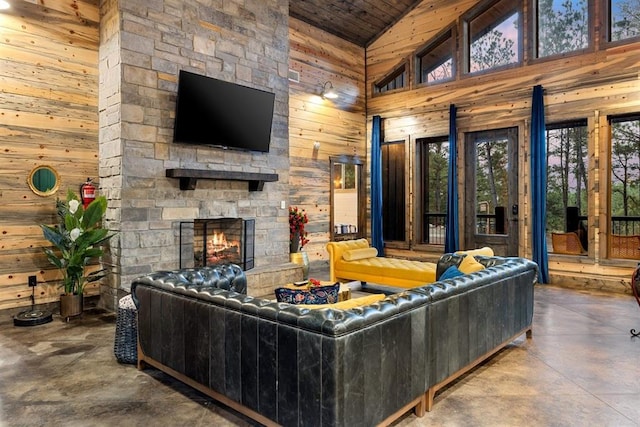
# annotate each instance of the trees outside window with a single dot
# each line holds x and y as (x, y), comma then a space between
(625, 175)
(624, 19)
(492, 183)
(435, 61)
(494, 36)
(562, 26)
(433, 158)
(567, 166)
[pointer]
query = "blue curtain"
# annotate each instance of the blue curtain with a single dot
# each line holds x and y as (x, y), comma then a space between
(377, 240)
(539, 185)
(451, 231)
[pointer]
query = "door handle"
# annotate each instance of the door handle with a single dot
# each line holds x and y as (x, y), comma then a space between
(514, 209)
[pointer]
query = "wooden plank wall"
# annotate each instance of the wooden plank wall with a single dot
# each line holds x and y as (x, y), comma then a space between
(338, 125)
(48, 116)
(591, 85)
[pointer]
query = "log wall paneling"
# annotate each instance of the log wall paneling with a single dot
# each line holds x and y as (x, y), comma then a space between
(338, 125)
(48, 116)
(591, 85)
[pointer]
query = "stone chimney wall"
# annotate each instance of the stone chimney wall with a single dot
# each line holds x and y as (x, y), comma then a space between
(144, 45)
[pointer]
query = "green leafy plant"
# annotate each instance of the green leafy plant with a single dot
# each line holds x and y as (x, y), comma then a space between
(77, 238)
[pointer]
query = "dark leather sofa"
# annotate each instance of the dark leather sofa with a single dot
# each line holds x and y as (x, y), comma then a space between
(286, 364)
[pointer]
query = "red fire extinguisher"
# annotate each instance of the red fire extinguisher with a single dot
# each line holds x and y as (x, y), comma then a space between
(87, 193)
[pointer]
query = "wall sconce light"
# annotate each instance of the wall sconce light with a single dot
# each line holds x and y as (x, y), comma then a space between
(4, 5)
(328, 92)
(316, 145)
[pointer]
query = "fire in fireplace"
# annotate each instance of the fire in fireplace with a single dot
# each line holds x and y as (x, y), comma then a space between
(206, 242)
(220, 250)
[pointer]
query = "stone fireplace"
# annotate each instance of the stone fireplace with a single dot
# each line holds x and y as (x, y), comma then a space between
(209, 242)
(141, 166)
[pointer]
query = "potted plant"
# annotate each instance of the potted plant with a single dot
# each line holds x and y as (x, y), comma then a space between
(297, 234)
(298, 238)
(77, 238)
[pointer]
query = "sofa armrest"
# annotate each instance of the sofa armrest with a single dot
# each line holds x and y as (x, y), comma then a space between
(336, 249)
(229, 277)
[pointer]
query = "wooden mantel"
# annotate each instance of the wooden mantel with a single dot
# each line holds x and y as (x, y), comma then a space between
(189, 177)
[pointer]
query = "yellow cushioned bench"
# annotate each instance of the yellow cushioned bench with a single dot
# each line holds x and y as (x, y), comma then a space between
(356, 260)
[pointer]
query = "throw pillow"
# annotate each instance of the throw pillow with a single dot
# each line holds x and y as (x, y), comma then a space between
(470, 265)
(486, 251)
(361, 253)
(351, 303)
(451, 272)
(313, 295)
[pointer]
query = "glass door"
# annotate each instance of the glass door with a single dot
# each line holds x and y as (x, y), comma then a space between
(491, 195)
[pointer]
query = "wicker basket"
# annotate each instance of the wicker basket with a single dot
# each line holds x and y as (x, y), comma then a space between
(126, 340)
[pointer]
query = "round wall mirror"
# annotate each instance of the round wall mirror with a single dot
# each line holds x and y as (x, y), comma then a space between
(44, 180)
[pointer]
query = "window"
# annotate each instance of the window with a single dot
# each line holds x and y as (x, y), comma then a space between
(562, 26)
(624, 19)
(491, 181)
(435, 62)
(433, 158)
(395, 80)
(625, 187)
(494, 36)
(393, 191)
(567, 194)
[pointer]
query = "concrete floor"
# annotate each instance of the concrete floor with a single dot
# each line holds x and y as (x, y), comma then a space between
(582, 368)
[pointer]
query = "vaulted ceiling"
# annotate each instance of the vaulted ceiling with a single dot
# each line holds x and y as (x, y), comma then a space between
(357, 21)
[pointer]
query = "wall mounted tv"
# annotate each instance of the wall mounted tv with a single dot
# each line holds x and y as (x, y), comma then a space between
(214, 112)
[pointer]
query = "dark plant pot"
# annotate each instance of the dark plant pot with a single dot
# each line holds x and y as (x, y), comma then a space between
(71, 306)
(294, 244)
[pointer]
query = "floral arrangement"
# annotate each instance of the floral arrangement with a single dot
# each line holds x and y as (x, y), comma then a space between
(76, 237)
(297, 234)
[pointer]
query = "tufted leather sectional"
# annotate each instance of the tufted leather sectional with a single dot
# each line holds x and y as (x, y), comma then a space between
(289, 365)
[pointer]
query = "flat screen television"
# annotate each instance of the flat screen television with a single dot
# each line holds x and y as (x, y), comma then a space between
(218, 113)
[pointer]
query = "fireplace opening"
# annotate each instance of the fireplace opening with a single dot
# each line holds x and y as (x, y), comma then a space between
(209, 242)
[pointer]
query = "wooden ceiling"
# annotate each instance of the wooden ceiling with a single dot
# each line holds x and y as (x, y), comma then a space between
(357, 21)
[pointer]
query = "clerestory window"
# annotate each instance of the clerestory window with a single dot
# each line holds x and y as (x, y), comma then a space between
(396, 80)
(435, 62)
(624, 19)
(494, 36)
(561, 26)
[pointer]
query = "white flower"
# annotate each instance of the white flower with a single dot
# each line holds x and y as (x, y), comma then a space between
(74, 234)
(73, 206)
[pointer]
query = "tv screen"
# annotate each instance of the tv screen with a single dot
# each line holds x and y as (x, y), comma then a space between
(214, 112)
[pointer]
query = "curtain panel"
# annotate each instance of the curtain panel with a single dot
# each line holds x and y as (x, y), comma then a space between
(539, 185)
(377, 240)
(451, 237)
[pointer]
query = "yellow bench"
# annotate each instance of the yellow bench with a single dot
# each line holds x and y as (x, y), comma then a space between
(356, 260)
